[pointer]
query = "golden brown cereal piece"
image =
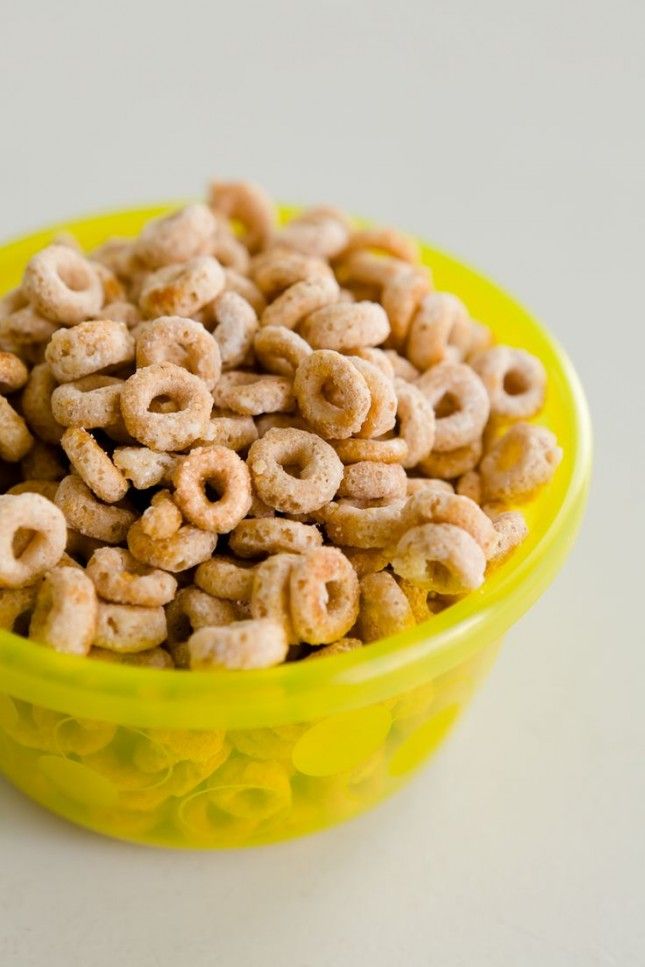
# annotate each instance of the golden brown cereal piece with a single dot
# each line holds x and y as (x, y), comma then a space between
(401, 367)
(384, 608)
(440, 330)
(15, 438)
(117, 254)
(366, 560)
(417, 599)
(185, 548)
(510, 531)
(514, 379)
(192, 609)
(88, 348)
(416, 422)
(120, 578)
(470, 485)
(93, 465)
(332, 394)
(13, 373)
(144, 467)
(294, 471)
(227, 474)
(235, 325)
(85, 513)
(283, 421)
(162, 518)
(225, 578)
(46, 488)
(182, 289)
(245, 287)
(322, 231)
(252, 394)
(230, 430)
(272, 535)
(363, 527)
(324, 595)
(25, 332)
(275, 271)
(37, 519)
(153, 658)
(453, 463)
(417, 484)
(170, 430)
(258, 643)
(271, 592)
(522, 460)
(37, 404)
(346, 325)
(79, 546)
(381, 415)
(120, 311)
(394, 450)
(383, 240)
(66, 611)
(481, 337)
(299, 300)
(247, 203)
(15, 608)
(369, 480)
(340, 647)
(127, 630)
(378, 358)
(434, 507)
(43, 462)
(460, 402)
(441, 558)
(171, 339)
(62, 285)
(92, 402)
(12, 301)
(177, 237)
(113, 290)
(401, 297)
(226, 248)
(279, 350)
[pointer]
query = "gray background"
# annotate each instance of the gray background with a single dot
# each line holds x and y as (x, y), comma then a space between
(511, 133)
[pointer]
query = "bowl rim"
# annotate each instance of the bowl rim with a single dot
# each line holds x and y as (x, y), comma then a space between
(340, 681)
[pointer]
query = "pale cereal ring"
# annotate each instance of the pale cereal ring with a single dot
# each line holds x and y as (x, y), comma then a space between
(152, 658)
(403, 368)
(299, 300)
(439, 331)
(453, 463)
(276, 271)
(236, 324)
(15, 438)
(271, 592)
(93, 465)
(481, 337)
(313, 472)
(120, 578)
(227, 474)
(280, 350)
(165, 431)
(229, 251)
(177, 237)
(182, 289)
(258, 643)
(369, 480)
(394, 450)
(184, 549)
(366, 560)
(46, 488)
(387, 241)
(332, 394)
(460, 403)
(66, 612)
(417, 484)
(12, 301)
(43, 462)
(88, 348)
(37, 404)
(120, 311)
(245, 202)
(381, 416)
(384, 608)
(441, 558)
(324, 595)
(25, 331)
(510, 530)
(62, 285)
(127, 629)
(363, 527)
(113, 290)
(85, 513)
(40, 521)
(322, 231)
(525, 458)
(378, 358)
(470, 485)
(252, 394)
(418, 599)
(118, 255)
(416, 420)
(365, 275)
(401, 298)
(246, 288)
(13, 373)
(162, 518)
(340, 647)
(260, 509)
(434, 507)
(272, 535)
(171, 339)
(16, 607)
(143, 467)
(345, 326)
(79, 547)
(192, 609)
(230, 430)
(92, 402)
(514, 379)
(268, 421)
(224, 578)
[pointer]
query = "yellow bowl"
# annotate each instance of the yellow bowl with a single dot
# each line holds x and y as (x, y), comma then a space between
(235, 759)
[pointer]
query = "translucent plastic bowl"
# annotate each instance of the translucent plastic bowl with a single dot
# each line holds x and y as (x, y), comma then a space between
(235, 759)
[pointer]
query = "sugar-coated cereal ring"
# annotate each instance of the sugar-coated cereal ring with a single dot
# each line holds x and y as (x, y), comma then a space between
(235, 325)
(439, 331)
(460, 402)
(369, 480)
(378, 358)
(86, 513)
(340, 647)
(276, 271)
(66, 612)
(403, 369)
(367, 560)
(224, 578)
(15, 438)
(144, 467)
(190, 610)
(43, 523)
(62, 285)
(230, 430)
(383, 240)
(514, 379)
(401, 297)
(322, 231)
(127, 629)
(434, 507)
(43, 462)
(46, 488)
(271, 592)
(346, 325)
(177, 237)
(229, 251)
(525, 458)
(171, 339)
(416, 422)
(363, 527)
(324, 595)
(165, 431)
(152, 658)
(260, 509)
(25, 332)
(268, 421)
(453, 463)
(162, 518)
(247, 203)
(418, 599)
(93, 465)
(91, 402)
(394, 450)
(37, 404)
(13, 373)
(313, 472)
(113, 290)
(246, 288)
(120, 578)
(88, 348)
(227, 474)
(252, 394)
(510, 530)
(299, 300)
(332, 394)
(12, 301)
(384, 608)
(272, 535)
(117, 254)
(279, 350)
(182, 289)
(258, 643)
(16, 606)
(441, 558)
(417, 484)
(381, 416)
(470, 485)
(79, 547)
(120, 311)
(185, 548)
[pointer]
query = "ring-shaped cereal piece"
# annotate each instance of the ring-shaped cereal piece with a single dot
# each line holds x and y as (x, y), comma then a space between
(299, 300)
(401, 297)
(332, 394)
(276, 271)
(340, 647)
(363, 527)
(322, 231)
(230, 430)
(227, 474)
(186, 548)
(229, 251)
(92, 402)
(13, 373)
(514, 379)
(381, 416)
(470, 485)
(460, 403)
(257, 537)
(91, 517)
(184, 342)
(93, 465)
(416, 421)
(434, 507)
(392, 450)
(165, 431)
(386, 241)
(256, 643)
(453, 463)
(62, 285)
(225, 578)
(279, 350)
(271, 592)
(313, 476)
(190, 610)
(378, 358)
(235, 325)
(16, 606)
(441, 558)
(324, 595)
(43, 524)
(440, 330)
(510, 531)
(37, 404)
(366, 560)
(246, 288)
(384, 608)
(43, 462)
(24, 332)
(522, 460)
(403, 368)
(162, 518)
(252, 394)
(127, 629)
(66, 612)
(151, 658)
(88, 348)
(418, 484)
(144, 467)
(120, 578)
(245, 202)
(346, 325)
(177, 237)
(182, 289)
(113, 290)
(46, 488)
(120, 311)
(15, 438)
(369, 480)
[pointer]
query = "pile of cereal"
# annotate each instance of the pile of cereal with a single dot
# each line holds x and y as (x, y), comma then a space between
(226, 444)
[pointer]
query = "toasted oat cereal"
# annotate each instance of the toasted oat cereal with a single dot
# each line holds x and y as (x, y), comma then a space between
(66, 612)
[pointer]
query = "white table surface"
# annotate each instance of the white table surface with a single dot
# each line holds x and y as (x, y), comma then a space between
(513, 135)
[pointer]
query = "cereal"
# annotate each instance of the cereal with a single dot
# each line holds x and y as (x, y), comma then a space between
(252, 394)
(235, 325)
(299, 301)
(91, 402)
(246, 288)
(275, 272)
(332, 394)
(37, 404)
(152, 658)
(226, 248)
(229, 430)
(171, 339)
(439, 331)
(272, 535)
(15, 438)
(434, 507)
(345, 326)
(460, 403)
(127, 629)
(470, 485)
(190, 610)
(46, 488)
(120, 311)
(367, 560)
(182, 289)
(416, 420)
(120, 578)
(89, 347)
(381, 415)
(162, 518)
(43, 526)
(271, 592)
(340, 647)
(66, 611)
(13, 373)
(383, 240)
(258, 643)
(510, 530)
(453, 463)
(144, 467)
(441, 558)
(525, 458)
(185, 548)
(324, 595)
(177, 237)
(402, 368)
(401, 296)
(62, 285)
(514, 379)
(86, 513)
(227, 474)
(171, 430)
(246, 203)
(322, 232)
(93, 465)
(384, 608)
(393, 450)
(16, 606)
(294, 471)
(369, 480)
(225, 578)
(363, 527)
(43, 462)
(279, 350)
